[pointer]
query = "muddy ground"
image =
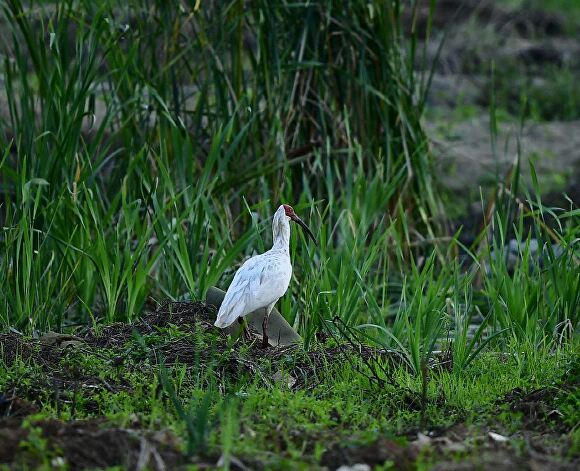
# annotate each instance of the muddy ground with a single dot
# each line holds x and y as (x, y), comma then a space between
(536, 56)
(94, 441)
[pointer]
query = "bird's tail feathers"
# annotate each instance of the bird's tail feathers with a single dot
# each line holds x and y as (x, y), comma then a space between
(227, 317)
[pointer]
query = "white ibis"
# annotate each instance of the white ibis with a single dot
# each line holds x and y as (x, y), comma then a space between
(264, 278)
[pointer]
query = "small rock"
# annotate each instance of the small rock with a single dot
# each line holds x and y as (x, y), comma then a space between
(232, 462)
(284, 378)
(54, 339)
(496, 437)
(354, 467)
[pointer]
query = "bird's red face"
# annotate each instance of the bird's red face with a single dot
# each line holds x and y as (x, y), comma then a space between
(289, 210)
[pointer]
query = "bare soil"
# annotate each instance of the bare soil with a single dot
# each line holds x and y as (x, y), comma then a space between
(534, 53)
(88, 444)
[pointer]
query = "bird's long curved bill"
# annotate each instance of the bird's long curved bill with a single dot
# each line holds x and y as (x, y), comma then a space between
(306, 228)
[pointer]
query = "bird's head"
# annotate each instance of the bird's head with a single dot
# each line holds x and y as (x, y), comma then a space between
(291, 215)
(289, 211)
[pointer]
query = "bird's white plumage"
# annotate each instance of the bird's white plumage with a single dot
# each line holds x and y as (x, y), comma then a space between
(262, 279)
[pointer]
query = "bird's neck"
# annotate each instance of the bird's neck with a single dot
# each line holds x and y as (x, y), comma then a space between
(281, 234)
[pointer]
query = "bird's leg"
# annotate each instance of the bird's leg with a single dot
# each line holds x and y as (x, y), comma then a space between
(245, 330)
(247, 333)
(265, 326)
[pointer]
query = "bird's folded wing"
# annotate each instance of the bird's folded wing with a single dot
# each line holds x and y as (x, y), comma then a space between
(256, 284)
(238, 299)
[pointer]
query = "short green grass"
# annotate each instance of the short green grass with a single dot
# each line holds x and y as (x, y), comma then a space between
(269, 424)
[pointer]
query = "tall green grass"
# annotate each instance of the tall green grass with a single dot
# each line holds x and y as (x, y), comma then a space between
(137, 131)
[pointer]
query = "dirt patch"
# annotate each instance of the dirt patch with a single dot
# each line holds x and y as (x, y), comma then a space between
(504, 459)
(375, 454)
(464, 148)
(13, 406)
(118, 345)
(533, 55)
(537, 407)
(448, 13)
(81, 444)
(86, 444)
(13, 346)
(182, 314)
(458, 448)
(50, 348)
